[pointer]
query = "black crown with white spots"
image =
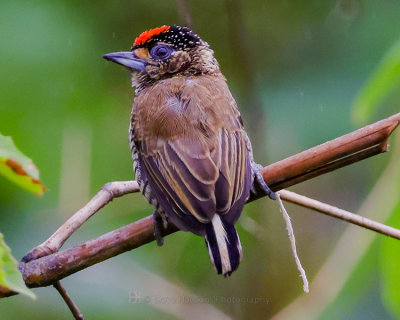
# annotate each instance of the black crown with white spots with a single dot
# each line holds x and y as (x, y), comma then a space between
(180, 37)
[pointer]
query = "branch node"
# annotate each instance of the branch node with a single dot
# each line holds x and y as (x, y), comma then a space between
(108, 188)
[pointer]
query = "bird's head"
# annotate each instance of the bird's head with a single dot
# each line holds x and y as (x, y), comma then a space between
(166, 52)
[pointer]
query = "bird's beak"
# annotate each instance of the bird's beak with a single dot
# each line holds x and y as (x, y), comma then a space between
(127, 59)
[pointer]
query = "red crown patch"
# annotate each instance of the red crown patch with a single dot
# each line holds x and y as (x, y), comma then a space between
(146, 35)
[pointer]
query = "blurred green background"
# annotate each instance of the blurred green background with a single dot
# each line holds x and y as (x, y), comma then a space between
(295, 67)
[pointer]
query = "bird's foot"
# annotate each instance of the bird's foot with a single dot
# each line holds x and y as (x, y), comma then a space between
(160, 222)
(259, 185)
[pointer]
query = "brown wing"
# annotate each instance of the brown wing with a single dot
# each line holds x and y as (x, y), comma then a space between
(195, 159)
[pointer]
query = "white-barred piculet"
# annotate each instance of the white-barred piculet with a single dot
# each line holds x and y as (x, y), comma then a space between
(192, 158)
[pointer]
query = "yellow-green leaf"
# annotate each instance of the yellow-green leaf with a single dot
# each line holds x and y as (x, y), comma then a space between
(390, 264)
(18, 168)
(382, 81)
(10, 277)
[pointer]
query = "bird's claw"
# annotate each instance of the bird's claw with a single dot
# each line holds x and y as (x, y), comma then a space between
(159, 222)
(259, 184)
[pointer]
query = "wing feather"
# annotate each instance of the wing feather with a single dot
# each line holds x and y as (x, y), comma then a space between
(195, 170)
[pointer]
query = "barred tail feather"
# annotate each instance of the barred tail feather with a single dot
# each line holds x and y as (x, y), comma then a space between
(223, 245)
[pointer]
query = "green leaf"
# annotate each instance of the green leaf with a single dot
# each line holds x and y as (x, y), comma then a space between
(18, 168)
(383, 80)
(390, 250)
(390, 266)
(10, 277)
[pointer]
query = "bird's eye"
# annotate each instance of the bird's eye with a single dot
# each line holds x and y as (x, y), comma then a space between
(161, 52)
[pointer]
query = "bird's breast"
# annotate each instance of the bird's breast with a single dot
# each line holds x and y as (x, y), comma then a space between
(194, 107)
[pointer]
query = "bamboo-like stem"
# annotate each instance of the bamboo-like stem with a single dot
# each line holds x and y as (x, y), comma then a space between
(329, 156)
(352, 147)
(44, 271)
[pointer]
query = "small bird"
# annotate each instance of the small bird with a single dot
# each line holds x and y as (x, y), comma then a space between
(192, 158)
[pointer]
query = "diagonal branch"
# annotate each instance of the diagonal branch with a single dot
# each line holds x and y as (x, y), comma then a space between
(68, 300)
(106, 194)
(339, 213)
(350, 148)
(355, 146)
